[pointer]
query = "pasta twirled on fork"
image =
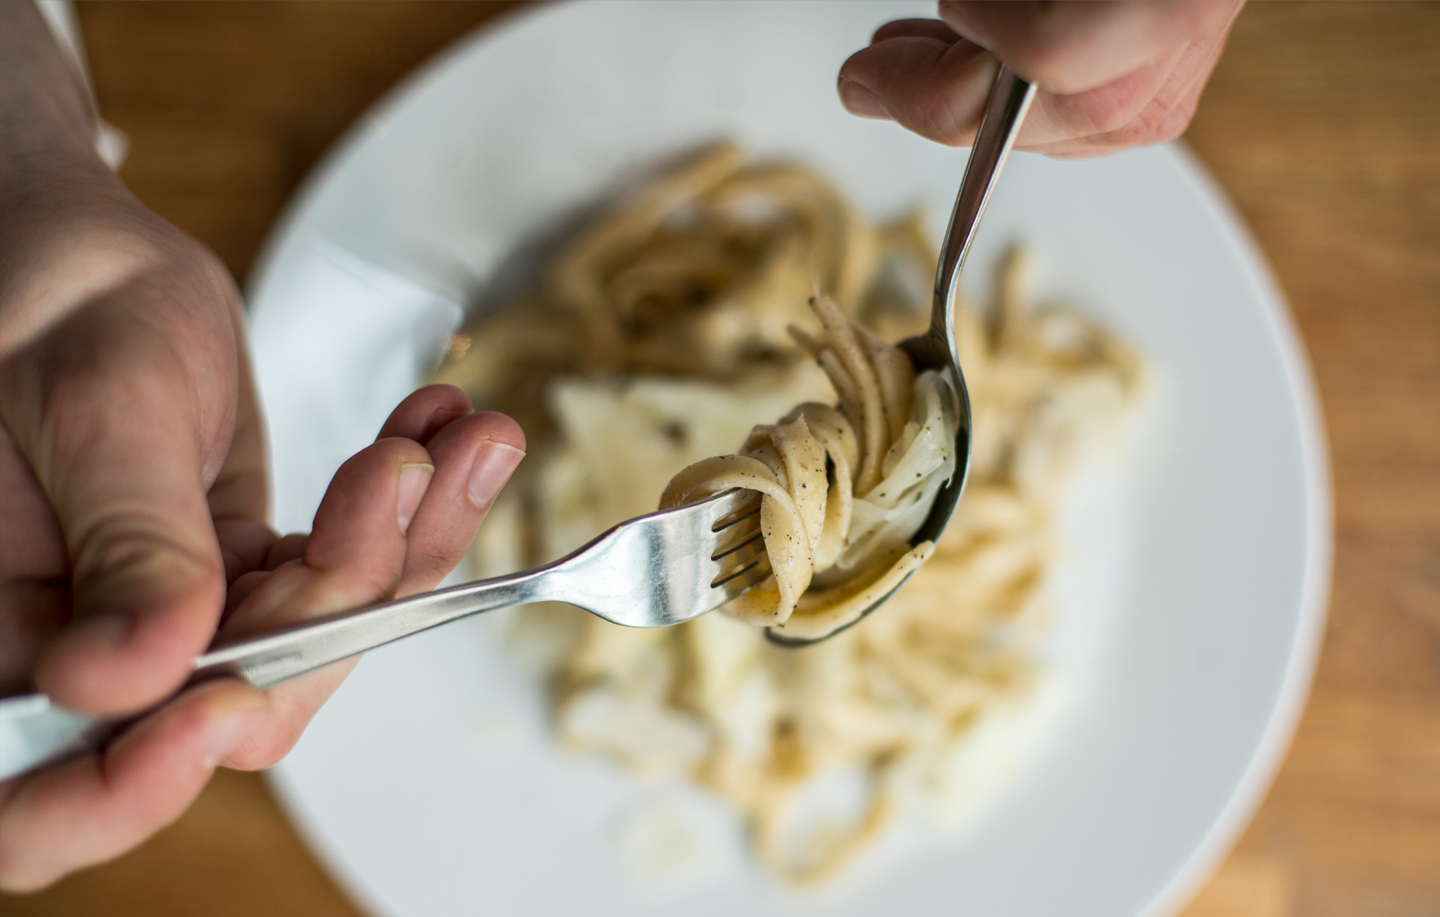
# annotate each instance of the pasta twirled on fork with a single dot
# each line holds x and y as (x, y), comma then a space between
(843, 489)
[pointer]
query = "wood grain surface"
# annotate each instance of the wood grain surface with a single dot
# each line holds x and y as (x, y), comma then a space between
(1323, 124)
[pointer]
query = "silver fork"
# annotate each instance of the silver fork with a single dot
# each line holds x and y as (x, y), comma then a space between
(654, 571)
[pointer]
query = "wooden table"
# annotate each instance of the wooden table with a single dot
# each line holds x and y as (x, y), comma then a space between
(1322, 122)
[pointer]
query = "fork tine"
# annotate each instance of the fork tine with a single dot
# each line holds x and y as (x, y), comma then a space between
(749, 507)
(740, 555)
(732, 584)
(740, 550)
(736, 538)
(739, 526)
(692, 558)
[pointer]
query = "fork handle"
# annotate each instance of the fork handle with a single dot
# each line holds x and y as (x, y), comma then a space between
(613, 576)
(34, 732)
(280, 655)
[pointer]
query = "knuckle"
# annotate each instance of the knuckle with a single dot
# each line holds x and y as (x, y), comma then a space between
(1149, 121)
(266, 748)
(285, 549)
(375, 585)
(1170, 130)
(431, 561)
(1154, 124)
(1108, 108)
(272, 738)
(1114, 115)
(130, 544)
(935, 118)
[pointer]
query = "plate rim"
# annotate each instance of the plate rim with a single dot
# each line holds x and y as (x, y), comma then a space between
(1269, 754)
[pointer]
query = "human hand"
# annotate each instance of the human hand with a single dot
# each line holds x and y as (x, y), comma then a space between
(1111, 74)
(397, 517)
(132, 489)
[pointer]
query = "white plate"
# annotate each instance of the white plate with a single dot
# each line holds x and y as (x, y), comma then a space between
(1190, 608)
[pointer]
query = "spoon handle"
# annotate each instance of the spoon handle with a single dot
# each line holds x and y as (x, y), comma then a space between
(1009, 99)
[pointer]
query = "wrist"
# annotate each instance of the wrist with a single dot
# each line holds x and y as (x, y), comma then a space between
(68, 230)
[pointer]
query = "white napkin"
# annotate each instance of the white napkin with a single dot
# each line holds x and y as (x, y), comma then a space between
(338, 344)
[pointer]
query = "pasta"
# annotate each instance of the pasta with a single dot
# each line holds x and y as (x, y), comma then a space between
(843, 489)
(655, 340)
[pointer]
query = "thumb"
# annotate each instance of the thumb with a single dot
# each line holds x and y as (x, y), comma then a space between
(114, 430)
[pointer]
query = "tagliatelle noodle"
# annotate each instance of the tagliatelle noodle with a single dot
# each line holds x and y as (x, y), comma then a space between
(658, 337)
(809, 468)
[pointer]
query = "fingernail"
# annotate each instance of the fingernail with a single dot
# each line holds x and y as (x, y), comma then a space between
(494, 464)
(414, 479)
(860, 101)
(105, 631)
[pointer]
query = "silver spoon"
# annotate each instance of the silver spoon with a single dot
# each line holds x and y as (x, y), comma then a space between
(1009, 99)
